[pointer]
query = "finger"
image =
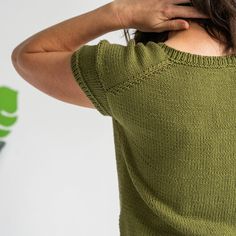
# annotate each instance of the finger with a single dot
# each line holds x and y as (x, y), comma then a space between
(172, 25)
(185, 12)
(180, 1)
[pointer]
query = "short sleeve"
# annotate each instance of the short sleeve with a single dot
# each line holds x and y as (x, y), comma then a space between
(102, 68)
(86, 64)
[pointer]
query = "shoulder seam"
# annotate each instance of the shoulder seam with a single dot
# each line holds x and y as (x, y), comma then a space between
(140, 77)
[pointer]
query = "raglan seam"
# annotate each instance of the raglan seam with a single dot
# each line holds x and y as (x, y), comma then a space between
(140, 77)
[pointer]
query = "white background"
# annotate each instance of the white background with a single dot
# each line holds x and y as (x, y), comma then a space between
(58, 171)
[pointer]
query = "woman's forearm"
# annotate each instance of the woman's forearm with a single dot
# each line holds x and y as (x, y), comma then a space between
(74, 32)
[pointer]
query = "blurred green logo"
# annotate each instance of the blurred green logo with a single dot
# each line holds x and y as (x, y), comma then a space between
(8, 108)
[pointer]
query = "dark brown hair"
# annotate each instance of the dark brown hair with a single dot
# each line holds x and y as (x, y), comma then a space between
(221, 24)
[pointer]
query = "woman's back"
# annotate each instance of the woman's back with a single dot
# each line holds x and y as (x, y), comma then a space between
(174, 117)
(172, 105)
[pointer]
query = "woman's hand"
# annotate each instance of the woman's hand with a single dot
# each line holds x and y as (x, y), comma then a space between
(154, 15)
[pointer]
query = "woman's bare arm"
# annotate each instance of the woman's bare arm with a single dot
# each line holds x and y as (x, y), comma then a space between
(43, 59)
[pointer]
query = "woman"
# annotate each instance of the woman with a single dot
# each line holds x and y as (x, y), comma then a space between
(171, 95)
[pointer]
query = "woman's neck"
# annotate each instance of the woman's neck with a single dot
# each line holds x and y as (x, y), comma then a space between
(195, 40)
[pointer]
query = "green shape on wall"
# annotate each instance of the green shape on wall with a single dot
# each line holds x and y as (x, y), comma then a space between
(8, 106)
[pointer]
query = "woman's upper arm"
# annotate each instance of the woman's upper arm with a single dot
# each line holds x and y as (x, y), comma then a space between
(86, 76)
(51, 73)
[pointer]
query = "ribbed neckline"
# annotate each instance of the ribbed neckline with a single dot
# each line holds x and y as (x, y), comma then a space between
(198, 60)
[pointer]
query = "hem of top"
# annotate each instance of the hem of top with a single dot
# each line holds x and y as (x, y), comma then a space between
(195, 59)
(79, 78)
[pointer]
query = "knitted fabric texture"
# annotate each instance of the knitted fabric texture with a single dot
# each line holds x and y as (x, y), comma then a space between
(174, 123)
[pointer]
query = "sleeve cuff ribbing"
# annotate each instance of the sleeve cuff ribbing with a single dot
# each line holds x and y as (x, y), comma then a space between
(84, 64)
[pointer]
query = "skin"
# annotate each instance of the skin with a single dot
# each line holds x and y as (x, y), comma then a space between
(207, 46)
(43, 60)
(155, 15)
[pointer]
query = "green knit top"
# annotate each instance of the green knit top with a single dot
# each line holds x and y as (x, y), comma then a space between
(174, 124)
